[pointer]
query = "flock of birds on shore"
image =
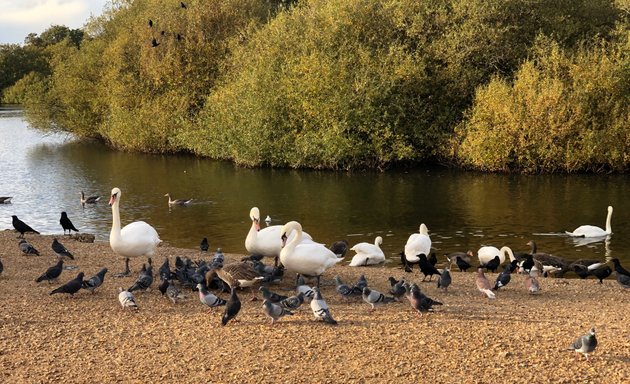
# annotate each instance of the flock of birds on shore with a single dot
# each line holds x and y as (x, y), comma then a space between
(295, 250)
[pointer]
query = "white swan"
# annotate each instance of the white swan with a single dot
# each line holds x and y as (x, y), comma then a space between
(308, 259)
(418, 243)
(267, 241)
(135, 239)
(593, 231)
(485, 254)
(368, 254)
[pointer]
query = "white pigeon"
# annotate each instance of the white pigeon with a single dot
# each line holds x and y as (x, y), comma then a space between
(126, 299)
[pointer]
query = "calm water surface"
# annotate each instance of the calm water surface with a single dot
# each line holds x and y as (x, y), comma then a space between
(463, 210)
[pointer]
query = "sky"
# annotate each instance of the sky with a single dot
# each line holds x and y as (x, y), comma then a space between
(18, 18)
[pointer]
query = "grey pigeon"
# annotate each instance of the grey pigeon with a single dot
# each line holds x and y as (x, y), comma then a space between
(623, 276)
(271, 296)
(71, 286)
(503, 279)
(320, 308)
(360, 284)
(21, 226)
(66, 224)
(301, 287)
(52, 273)
(293, 302)
(60, 250)
(126, 299)
(95, 281)
(173, 293)
(398, 288)
(209, 298)
(419, 301)
(218, 259)
(274, 311)
(343, 289)
(374, 297)
(144, 280)
(445, 279)
(165, 270)
(163, 287)
(585, 344)
(232, 307)
(27, 248)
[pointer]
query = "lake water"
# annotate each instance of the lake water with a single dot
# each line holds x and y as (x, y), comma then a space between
(463, 210)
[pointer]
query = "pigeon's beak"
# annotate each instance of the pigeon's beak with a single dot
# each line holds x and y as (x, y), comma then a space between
(112, 200)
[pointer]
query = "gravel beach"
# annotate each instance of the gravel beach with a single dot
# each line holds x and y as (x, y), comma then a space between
(516, 338)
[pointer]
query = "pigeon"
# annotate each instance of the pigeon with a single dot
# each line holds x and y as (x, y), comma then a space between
(483, 284)
(163, 287)
(218, 260)
(126, 272)
(21, 226)
(339, 248)
(144, 280)
(320, 308)
(274, 311)
(95, 281)
(51, 273)
(66, 224)
(493, 264)
(426, 267)
(445, 279)
(623, 276)
(360, 284)
(293, 302)
(71, 286)
(503, 279)
(418, 300)
(232, 307)
(398, 288)
(531, 283)
(343, 289)
(203, 246)
(374, 297)
(173, 293)
(271, 296)
(585, 344)
(154, 43)
(165, 270)
(253, 258)
(209, 298)
(60, 250)
(126, 299)
(27, 248)
(306, 290)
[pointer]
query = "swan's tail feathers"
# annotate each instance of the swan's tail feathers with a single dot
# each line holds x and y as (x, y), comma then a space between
(573, 234)
(489, 293)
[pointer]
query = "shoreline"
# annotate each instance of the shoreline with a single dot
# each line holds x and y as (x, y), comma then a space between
(515, 338)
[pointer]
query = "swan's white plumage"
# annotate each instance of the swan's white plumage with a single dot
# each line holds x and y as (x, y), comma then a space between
(594, 231)
(267, 241)
(135, 239)
(485, 254)
(368, 254)
(418, 243)
(308, 259)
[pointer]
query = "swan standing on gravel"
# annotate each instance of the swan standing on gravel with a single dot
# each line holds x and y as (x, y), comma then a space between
(485, 254)
(593, 231)
(267, 241)
(368, 254)
(416, 244)
(135, 239)
(308, 259)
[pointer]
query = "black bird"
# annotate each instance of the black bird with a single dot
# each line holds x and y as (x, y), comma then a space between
(154, 43)
(601, 273)
(433, 259)
(181, 4)
(67, 224)
(150, 23)
(493, 264)
(95, 281)
(163, 33)
(144, 280)
(581, 271)
(178, 37)
(232, 307)
(60, 250)
(52, 273)
(462, 264)
(27, 248)
(418, 300)
(71, 286)
(623, 276)
(203, 246)
(339, 248)
(407, 266)
(21, 226)
(503, 279)
(427, 268)
(528, 263)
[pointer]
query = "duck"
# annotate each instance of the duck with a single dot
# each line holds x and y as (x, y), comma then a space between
(368, 254)
(135, 239)
(307, 259)
(5, 199)
(267, 241)
(88, 200)
(487, 253)
(241, 274)
(594, 231)
(177, 201)
(416, 244)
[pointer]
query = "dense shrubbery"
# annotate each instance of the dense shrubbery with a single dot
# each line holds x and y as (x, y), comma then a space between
(490, 84)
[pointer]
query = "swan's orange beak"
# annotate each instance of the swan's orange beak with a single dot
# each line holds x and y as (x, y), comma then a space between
(112, 199)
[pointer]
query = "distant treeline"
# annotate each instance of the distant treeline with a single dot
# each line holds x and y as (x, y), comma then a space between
(496, 85)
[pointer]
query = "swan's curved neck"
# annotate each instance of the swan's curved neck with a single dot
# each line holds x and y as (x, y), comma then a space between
(509, 252)
(297, 239)
(608, 222)
(115, 232)
(252, 235)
